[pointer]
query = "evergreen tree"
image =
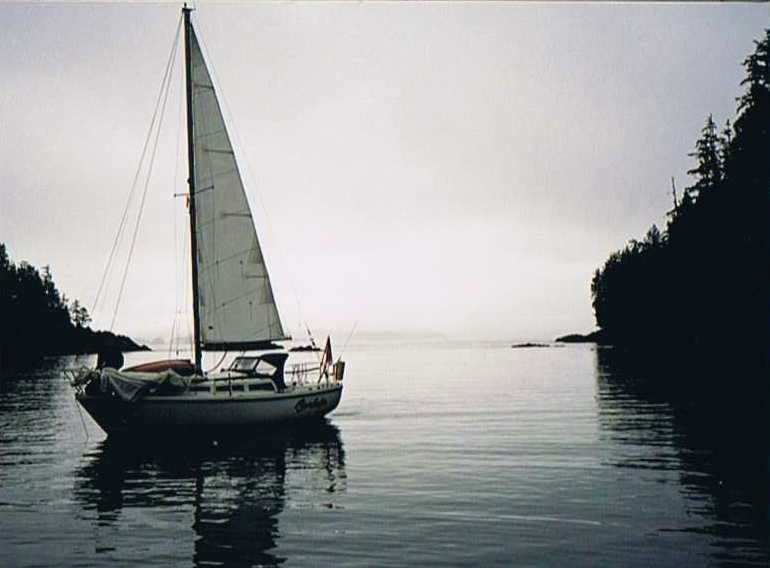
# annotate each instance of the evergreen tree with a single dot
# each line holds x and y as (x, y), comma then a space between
(37, 320)
(708, 172)
(725, 142)
(703, 284)
(79, 314)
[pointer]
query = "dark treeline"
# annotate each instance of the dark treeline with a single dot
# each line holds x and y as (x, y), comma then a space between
(701, 285)
(36, 320)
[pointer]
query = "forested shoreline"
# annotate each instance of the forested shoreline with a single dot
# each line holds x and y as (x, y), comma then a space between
(700, 286)
(37, 320)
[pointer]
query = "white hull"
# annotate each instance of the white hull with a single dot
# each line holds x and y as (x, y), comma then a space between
(203, 411)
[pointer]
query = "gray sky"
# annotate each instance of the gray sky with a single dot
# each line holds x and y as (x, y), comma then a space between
(457, 168)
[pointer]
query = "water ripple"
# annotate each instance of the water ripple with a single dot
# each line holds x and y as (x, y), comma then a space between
(461, 455)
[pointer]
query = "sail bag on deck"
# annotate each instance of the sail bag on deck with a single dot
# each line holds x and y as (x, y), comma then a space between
(132, 386)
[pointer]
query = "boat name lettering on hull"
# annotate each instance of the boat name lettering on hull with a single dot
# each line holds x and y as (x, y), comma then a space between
(309, 404)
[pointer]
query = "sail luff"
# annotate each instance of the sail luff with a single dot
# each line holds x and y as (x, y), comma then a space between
(235, 298)
(191, 185)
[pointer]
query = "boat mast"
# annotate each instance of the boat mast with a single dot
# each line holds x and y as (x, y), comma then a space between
(191, 185)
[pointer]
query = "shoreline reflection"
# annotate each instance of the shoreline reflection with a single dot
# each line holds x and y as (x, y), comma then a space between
(716, 446)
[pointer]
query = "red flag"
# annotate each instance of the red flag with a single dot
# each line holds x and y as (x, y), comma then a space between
(326, 359)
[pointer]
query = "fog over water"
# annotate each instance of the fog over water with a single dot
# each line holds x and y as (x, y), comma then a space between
(454, 168)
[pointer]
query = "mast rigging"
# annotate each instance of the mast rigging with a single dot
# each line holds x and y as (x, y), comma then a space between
(191, 184)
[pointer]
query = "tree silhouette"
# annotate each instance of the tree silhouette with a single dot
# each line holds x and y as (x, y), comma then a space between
(79, 314)
(701, 286)
(38, 320)
(708, 172)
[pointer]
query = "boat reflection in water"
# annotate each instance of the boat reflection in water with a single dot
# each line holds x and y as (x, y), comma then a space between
(232, 492)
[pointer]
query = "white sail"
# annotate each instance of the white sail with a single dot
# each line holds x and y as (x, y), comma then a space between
(236, 305)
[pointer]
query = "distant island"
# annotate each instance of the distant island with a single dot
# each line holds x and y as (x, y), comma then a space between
(699, 289)
(593, 337)
(37, 320)
(531, 345)
(301, 348)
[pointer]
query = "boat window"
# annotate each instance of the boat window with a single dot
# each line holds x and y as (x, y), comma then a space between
(263, 387)
(243, 364)
(265, 368)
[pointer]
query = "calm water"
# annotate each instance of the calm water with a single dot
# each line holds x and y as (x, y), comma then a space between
(450, 454)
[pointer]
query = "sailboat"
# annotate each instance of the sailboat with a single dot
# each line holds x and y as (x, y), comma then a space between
(233, 308)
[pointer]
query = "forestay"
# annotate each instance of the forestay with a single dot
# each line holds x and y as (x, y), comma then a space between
(235, 299)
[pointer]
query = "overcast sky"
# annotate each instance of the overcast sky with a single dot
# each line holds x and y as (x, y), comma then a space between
(454, 168)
